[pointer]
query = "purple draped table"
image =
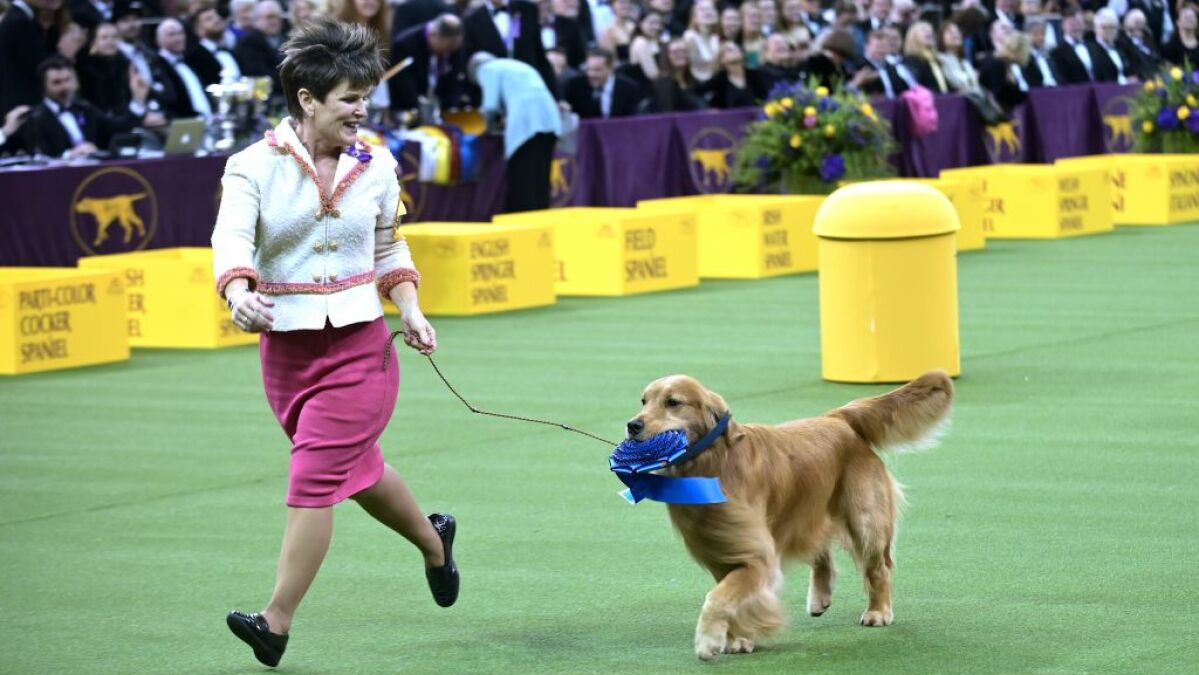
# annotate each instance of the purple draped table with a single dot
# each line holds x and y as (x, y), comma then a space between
(53, 216)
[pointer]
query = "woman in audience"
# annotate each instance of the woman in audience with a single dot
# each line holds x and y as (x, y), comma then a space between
(1183, 47)
(104, 72)
(834, 60)
(645, 48)
(375, 15)
(769, 11)
(920, 56)
(619, 34)
(71, 42)
(791, 23)
(302, 11)
(959, 74)
(1003, 74)
(752, 39)
(675, 90)
(730, 24)
(703, 40)
(733, 86)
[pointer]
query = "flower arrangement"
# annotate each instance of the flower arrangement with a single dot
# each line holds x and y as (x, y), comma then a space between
(809, 140)
(1165, 115)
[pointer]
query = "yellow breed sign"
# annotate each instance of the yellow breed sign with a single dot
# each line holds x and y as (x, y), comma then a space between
(172, 301)
(478, 268)
(616, 251)
(58, 317)
(749, 236)
(1149, 189)
(1041, 201)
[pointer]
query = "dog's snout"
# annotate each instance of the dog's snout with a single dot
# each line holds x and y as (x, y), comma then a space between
(635, 426)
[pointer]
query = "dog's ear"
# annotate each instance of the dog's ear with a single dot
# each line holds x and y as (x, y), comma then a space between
(714, 409)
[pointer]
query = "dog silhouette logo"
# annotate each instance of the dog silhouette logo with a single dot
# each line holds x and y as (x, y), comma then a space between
(710, 156)
(562, 179)
(1117, 124)
(1003, 141)
(113, 210)
(412, 190)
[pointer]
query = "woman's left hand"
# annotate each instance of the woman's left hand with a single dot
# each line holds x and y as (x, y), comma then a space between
(418, 332)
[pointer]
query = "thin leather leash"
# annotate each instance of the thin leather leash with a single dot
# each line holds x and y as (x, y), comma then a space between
(564, 427)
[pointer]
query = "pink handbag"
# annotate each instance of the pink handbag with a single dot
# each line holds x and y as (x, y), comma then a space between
(922, 111)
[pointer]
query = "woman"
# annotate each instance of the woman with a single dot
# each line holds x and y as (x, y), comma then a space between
(675, 90)
(71, 42)
(620, 33)
(733, 86)
(303, 11)
(375, 15)
(730, 25)
(791, 22)
(328, 379)
(104, 72)
(703, 39)
(920, 56)
(1183, 47)
(753, 42)
(645, 47)
(1003, 74)
(959, 74)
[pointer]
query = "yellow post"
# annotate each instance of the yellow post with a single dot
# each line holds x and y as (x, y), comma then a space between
(888, 283)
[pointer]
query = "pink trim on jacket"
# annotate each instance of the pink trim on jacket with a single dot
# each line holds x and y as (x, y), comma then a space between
(248, 273)
(328, 202)
(287, 288)
(395, 278)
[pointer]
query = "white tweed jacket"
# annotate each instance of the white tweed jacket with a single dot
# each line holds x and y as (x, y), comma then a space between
(321, 253)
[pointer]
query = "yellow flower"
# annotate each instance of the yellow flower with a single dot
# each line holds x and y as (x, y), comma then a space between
(796, 141)
(809, 112)
(1191, 101)
(1176, 73)
(1149, 86)
(822, 91)
(788, 103)
(771, 109)
(1147, 127)
(830, 130)
(1183, 112)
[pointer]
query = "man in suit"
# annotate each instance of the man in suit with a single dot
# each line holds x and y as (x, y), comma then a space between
(411, 13)
(22, 48)
(257, 52)
(176, 86)
(436, 69)
(69, 127)
(877, 18)
(1140, 43)
(208, 56)
(1157, 16)
(1039, 72)
(1111, 62)
(599, 92)
(508, 29)
(889, 83)
(127, 16)
(1071, 59)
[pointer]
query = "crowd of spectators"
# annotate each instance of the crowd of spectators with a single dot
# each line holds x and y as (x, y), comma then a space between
(112, 64)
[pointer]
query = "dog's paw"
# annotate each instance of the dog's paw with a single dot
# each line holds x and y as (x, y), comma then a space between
(741, 645)
(876, 618)
(708, 647)
(818, 603)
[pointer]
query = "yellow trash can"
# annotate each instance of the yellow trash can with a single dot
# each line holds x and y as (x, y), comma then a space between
(888, 283)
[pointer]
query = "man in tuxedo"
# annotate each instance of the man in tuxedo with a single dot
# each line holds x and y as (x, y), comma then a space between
(436, 69)
(1111, 63)
(889, 83)
(599, 92)
(69, 127)
(508, 29)
(258, 50)
(1071, 59)
(411, 13)
(1140, 43)
(812, 17)
(127, 16)
(177, 87)
(1157, 15)
(877, 18)
(208, 56)
(1009, 11)
(22, 48)
(1039, 72)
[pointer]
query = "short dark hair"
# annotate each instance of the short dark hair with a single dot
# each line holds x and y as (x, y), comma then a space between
(447, 26)
(324, 54)
(55, 62)
(605, 54)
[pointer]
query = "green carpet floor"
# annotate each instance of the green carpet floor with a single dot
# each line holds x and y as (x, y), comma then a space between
(1055, 530)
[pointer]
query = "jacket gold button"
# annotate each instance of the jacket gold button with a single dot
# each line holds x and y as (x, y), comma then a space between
(332, 278)
(316, 278)
(332, 246)
(319, 248)
(320, 213)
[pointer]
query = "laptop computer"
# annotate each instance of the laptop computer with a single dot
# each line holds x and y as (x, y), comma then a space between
(185, 136)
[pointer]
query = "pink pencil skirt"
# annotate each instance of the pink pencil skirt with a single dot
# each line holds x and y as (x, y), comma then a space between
(333, 399)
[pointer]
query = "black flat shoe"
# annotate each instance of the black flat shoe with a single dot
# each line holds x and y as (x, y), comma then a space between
(443, 581)
(254, 631)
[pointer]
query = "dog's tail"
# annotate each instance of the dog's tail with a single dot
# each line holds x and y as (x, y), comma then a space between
(909, 418)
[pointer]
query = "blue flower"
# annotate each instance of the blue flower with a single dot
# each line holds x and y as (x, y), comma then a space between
(1193, 123)
(832, 168)
(827, 104)
(1167, 119)
(854, 130)
(762, 162)
(1195, 76)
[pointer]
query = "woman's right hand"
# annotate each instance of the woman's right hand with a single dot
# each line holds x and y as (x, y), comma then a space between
(251, 312)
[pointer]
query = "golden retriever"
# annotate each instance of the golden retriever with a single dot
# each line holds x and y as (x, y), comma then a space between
(793, 490)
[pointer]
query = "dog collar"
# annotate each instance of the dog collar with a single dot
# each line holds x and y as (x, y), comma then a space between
(643, 484)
